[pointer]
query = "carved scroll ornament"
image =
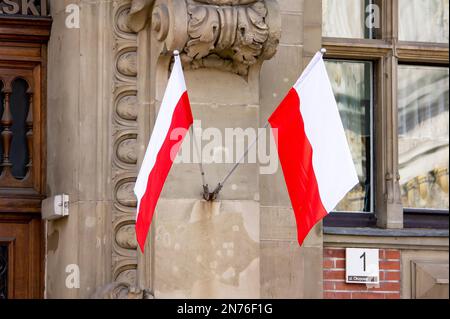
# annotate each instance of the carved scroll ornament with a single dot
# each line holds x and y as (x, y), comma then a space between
(228, 34)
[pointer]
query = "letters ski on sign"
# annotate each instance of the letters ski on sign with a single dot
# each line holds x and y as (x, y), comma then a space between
(37, 8)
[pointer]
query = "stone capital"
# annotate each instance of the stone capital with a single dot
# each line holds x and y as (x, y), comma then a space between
(231, 35)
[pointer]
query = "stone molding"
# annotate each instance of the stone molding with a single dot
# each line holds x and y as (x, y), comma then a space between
(124, 166)
(231, 35)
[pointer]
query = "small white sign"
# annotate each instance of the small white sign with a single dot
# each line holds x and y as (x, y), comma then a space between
(362, 266)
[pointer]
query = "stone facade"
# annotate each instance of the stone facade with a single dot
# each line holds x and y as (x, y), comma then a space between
(105, 84)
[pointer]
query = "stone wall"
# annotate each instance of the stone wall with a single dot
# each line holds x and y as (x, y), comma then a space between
(287, 270)
(79, 156)
(105, 85)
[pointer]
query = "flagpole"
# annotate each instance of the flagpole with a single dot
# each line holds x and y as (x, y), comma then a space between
(220, 186)
(200, 164)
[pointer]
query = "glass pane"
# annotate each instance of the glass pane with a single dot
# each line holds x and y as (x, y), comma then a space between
(3, 272)
(350, 19)
(424, 136)
(19, 111)
(423, 20)
(353, 88)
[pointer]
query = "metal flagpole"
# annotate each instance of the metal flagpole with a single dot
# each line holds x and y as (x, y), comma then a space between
(206, 194)
(219, 187)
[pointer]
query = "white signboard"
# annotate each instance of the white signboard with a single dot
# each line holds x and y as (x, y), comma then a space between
(362, 266)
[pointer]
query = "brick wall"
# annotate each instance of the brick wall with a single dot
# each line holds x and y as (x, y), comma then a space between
(335, 286)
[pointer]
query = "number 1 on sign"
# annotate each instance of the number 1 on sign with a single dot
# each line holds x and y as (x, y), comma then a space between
(363, 257)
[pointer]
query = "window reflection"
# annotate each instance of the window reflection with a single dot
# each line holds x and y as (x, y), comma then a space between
(352, 86)
(424, 136)
(424, 20)
(347, 19)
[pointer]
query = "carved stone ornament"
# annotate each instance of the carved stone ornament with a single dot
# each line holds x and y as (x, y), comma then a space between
(232, 35)
(119, 290)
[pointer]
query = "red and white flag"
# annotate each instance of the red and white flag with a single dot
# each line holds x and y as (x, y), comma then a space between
(174, 114)
(312, 147)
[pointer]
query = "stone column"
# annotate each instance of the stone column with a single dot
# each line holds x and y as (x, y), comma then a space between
(287, 270)
(78, 150)
(199, 249)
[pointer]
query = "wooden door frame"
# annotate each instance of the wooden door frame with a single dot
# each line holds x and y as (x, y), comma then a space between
(23, 45)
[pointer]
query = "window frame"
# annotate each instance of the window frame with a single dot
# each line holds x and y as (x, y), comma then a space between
(372, 131)
(387, 53)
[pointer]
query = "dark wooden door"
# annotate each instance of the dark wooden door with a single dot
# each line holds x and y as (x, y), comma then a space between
(20, 256)
(22, 155)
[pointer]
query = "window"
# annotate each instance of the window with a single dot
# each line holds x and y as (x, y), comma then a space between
(388, 64)
(423, 21)
(423, 136)
(352, 85)
(349, 19)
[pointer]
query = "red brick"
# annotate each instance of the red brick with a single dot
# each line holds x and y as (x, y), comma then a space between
(340, 263)
(328, 264)
(390, 265)
(392, 254)
(392, 296)
(334, 253)
(388, 286)
(334, 274)
(337, 295)
(367, 295)
(327, 285)
(391, 275)
(350, 287)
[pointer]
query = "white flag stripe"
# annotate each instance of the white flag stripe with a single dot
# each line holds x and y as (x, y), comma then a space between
(332, 160)
(176, 87)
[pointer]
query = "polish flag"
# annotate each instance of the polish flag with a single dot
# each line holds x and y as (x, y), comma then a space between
(312, 147)
(174, 114)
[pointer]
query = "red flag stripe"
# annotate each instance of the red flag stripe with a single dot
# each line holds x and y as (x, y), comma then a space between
(296, 157)
(182, 118)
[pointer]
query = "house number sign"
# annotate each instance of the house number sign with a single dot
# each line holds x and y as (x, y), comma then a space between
(24, 7)
(362, 266)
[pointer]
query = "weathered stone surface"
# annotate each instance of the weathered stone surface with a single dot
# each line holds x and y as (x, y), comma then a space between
(243, 246)
(207, 250)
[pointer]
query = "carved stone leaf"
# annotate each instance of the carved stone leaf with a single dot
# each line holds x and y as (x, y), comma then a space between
(203, 29)
(227, 2)
(125, 195)
(257, 13)
(122, 21)
(127, 108)
(126, 151)
(126, 237)
(127, 63)
(139, 14)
